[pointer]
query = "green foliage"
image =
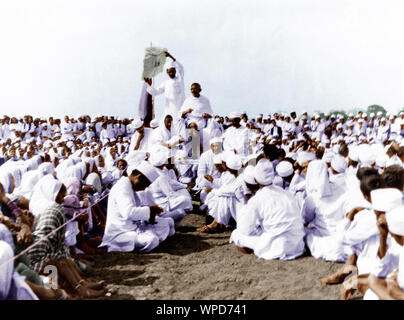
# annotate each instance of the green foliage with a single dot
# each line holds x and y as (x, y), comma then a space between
(375, 108)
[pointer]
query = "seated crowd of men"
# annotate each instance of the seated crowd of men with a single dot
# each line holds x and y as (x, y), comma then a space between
(283, 185)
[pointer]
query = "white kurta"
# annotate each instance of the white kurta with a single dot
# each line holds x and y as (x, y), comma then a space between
(322, 236)
(225, 202)
(271, 225)
(172, 196)
(173, 90)
(145, 143)
(126, 228)
(363, 236)
(206, 166)
(200, 106)
(236, 139)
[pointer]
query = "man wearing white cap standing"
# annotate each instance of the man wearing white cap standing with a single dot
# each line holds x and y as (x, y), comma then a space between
(132, 220)
(172, 88)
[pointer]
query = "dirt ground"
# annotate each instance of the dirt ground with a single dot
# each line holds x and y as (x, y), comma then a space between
(191, 265)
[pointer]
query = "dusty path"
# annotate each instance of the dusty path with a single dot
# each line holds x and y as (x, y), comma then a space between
(190, 265)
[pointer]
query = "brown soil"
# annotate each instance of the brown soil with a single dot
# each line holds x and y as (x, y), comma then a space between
(191, 265)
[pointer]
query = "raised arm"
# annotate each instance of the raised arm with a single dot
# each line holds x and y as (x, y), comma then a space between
(153, 91)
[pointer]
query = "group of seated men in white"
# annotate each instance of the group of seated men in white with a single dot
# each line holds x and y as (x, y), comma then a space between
(285, 186)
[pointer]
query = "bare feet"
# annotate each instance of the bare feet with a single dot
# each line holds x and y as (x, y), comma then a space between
(339, 276)
(44, 293)
(336, 278)
(94, 242)
(95, 285)
(87, 293)
(245, 250)
(348, 288)
(212, 228)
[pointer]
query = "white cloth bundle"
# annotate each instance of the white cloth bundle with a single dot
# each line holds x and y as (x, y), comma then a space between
(153, 62)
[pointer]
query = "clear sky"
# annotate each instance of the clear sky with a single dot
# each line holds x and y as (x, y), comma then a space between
(85, 56)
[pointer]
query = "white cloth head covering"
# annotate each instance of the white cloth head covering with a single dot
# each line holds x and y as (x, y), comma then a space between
(46, 168)
(317, 180)
(249, 175)
(44, 194)
(28, 182)
(386, 199)
(94, 180)
(233, 162)
(339, 164)
(284, 169)
(137, 123)
(395, 220)
(146, 169)
(70, 172)
(83, 169)
(264, 172)
(159, 156)
(216, 140)
(154, 123)
(234, 115)
(135, 157)
(353, 154)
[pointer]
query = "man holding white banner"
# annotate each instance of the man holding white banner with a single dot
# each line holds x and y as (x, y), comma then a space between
(172, 88)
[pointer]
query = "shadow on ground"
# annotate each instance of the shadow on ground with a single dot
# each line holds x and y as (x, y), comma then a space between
(182, 244)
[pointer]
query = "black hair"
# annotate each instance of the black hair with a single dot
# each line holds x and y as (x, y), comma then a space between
(319, 153)
(365, 172)
(136, 172)
(343, 150)
(281, 153)
(394, 177)
(271, 152)
(370, 183)
(253, 187)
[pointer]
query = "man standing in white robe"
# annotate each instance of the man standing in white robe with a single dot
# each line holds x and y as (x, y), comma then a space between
(172, 88)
